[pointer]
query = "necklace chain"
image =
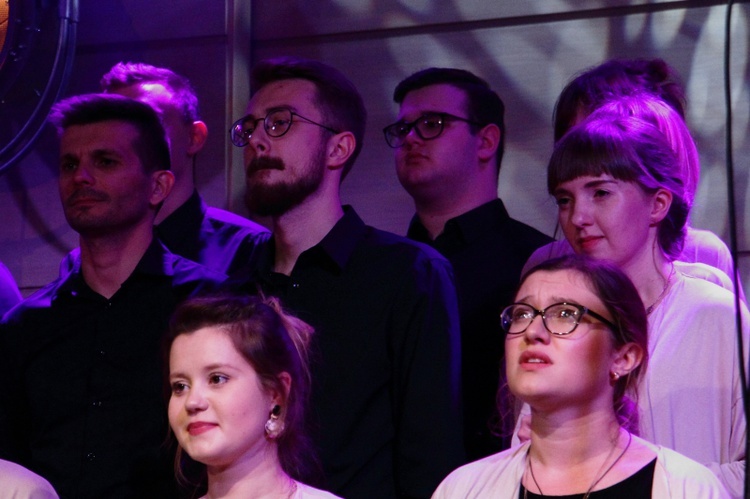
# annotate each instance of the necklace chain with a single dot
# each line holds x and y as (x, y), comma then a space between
(659, 298)
(594, 484)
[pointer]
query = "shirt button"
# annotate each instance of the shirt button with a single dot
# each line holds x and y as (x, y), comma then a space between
(96, 403)
(90, 456)
(295, 285)
(102, 353)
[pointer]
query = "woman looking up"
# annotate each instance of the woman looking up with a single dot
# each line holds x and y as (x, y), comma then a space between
(575, 344)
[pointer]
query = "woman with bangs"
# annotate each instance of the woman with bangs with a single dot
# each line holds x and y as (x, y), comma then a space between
(650, 90)
(576, 343)
(621, 198)
(699, 245)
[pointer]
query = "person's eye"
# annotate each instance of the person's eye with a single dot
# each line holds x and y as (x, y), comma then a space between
(278, 123)
(106, 162)
(247, 131)
(432, 122)
(601, 193)
(519, 314)
(218, 379)
(562, 201)
(68, 166)
(563, 312)
(400, 129)
(178, 387)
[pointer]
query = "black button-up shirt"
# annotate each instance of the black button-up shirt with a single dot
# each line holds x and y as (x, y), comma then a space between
(386, 356)
(487, 250)
(217, 239)
(82, 399)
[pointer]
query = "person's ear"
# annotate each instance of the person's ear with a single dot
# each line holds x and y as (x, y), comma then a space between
(660, 204)
(286, 384)
(198, 136)
(626, 359)
(339, 149)
(161, 185)
(488, 141)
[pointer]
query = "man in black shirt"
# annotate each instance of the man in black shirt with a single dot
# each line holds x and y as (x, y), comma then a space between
(448, 144)
(82, 401)
(385, 399)
(218, 239)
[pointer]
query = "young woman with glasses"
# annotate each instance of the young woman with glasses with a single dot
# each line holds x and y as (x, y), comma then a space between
(576, 342)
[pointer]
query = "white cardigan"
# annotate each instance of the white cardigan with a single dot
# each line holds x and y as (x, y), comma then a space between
(499, 477)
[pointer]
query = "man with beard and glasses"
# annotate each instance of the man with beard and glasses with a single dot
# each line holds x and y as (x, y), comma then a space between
(81, 402)
(386, 354)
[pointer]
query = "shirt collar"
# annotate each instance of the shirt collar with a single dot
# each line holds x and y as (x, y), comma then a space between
(467, 227)
(336, 247)
(156, 261)
(340, 242)
(188, 216)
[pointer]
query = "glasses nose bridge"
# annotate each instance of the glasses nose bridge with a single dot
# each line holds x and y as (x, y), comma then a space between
(542, 326)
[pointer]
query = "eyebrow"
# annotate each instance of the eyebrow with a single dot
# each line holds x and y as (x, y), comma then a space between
(588, 185)
(425, 112)
(554, 299)
(269, 110)
(218, 366)
(95, 153)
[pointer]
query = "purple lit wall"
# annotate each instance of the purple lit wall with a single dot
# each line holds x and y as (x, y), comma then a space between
(527, 50)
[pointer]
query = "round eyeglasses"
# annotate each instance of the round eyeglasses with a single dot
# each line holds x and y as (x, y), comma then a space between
(559, 318)
(428, 126)
(276, 123)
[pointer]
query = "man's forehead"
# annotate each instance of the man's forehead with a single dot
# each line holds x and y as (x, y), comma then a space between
(440, 97)
(296, 94)
(115, 132)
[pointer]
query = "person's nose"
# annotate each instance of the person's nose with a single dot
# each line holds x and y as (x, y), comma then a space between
(537, 331)
(196, 400)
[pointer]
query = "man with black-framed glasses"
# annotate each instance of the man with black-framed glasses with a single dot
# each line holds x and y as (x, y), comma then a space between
(385, 371)
(448, 144)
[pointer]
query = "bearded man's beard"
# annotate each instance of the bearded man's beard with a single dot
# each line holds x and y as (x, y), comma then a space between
(273, 199)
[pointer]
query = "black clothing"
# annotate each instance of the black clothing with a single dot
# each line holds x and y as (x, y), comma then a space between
(636, 486)
(82, 401)
(217, 239)
(385, 402)
(487, 250)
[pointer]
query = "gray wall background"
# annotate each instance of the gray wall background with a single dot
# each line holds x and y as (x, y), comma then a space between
(526, 49)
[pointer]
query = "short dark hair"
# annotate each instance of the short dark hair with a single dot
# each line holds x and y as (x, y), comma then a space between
(272, 342)
(621, 299)
(151, 146)
(617, 78)
(338, 99)
(628, 149)
(483, 105)
(125, 74)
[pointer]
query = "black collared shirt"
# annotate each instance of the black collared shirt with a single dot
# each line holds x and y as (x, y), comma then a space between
(487, 250)
(82, 399)
(385, 368)
(218, 239)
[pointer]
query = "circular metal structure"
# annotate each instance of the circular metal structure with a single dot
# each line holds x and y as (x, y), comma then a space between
(37, 43)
